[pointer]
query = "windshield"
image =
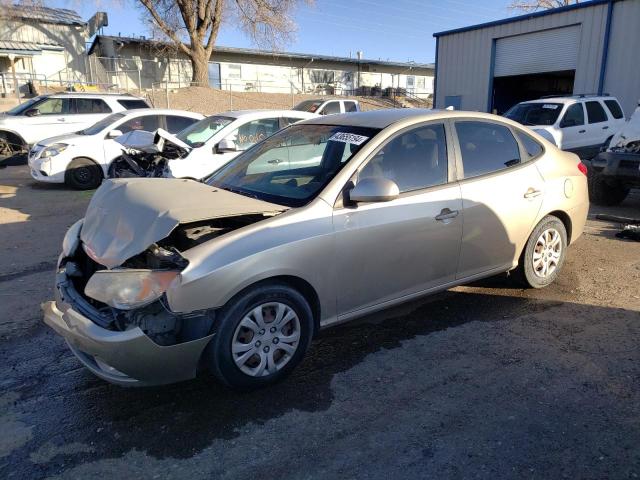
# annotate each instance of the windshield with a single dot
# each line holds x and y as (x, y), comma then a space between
(23, 107)
(292, 166)
(102, 124)
(308, 106)
(197, 134)
(535, 113)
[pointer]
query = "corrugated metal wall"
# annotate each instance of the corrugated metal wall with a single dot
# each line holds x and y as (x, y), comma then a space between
(464, 59)
(623, 64)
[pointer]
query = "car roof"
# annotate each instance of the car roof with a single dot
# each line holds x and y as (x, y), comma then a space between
(162, 111)
(265, 113)
(121, 96)
(385, 117)
(570, 99)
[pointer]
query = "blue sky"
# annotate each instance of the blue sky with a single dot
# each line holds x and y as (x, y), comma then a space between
(398, 30)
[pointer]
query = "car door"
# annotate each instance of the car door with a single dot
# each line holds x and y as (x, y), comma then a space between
(48, 118)
(574, 132)
(598, 127)
(502, 193)
(389, 250)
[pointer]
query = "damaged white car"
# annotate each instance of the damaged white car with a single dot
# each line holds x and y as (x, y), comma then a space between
(327, 220)
(204, 147)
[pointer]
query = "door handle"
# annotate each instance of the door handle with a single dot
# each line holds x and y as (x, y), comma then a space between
(604, 128)
(446, 214)
(275, 161)
(532, 193)
(61, 119)
(581, 131)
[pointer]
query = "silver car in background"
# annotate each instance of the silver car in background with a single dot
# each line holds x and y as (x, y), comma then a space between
(325, 221)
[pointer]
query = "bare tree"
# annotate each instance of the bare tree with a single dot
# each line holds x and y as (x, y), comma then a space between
(534, 5)
(193, 25)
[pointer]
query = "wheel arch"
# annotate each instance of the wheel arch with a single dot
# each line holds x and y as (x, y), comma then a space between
(15, 135)
(297, 283)
(95, 162)
(565, 219)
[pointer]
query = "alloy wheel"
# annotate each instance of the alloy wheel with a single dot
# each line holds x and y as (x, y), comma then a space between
(547, 253)
(266, 339)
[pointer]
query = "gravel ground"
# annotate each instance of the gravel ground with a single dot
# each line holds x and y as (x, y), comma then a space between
(482, 381)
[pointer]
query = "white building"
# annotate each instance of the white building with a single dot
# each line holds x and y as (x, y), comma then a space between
(142, 62)
(41, 45)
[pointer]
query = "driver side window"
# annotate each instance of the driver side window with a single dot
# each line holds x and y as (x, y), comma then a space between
(414, 160)
(573, 117)
(250, 133)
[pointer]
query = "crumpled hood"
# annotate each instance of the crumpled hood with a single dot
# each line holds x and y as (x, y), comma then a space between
(162, 136)
(126, 216)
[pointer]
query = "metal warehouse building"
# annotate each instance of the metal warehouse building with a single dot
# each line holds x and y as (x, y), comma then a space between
(590, 47)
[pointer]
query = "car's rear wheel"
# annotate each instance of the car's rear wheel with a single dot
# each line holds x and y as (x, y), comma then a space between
(603, 191)
(260, 336)
(83, 174)
(544, 253)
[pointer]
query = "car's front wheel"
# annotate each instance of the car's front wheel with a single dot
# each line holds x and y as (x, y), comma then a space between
(544, 253)
(260, 336)
(83, 174)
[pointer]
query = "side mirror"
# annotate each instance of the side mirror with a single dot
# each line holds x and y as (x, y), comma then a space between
(114, 133)
(32, 112)
(226, 145)
(374, 189)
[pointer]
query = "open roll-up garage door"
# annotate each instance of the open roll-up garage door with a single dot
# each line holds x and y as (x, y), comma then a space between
(537, 52)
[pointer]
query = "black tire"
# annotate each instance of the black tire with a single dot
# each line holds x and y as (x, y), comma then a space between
(603, 191)
(219, 355)
(526, 271)
(83, 174)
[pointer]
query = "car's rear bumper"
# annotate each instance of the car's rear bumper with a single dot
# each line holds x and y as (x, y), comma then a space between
(624, 167)
(123, 357)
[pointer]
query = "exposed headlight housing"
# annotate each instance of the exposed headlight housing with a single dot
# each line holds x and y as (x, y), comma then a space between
(72, 238)
(53, 150)
(126, 289)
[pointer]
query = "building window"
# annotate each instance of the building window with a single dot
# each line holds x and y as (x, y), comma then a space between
(234, 71)
(420, 83)
(322, 76)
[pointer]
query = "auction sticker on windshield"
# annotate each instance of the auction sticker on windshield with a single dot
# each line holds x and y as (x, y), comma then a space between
(345, 137)
(550, 106)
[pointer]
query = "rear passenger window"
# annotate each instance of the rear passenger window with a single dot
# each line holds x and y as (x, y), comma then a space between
(486, 148)
(573, 117)
(531, 147)
(614, 108)
(331, 108)
(91, 105)
(413, 160)
(176, 124)
(595, 112)
(131, 104)
(350, 107)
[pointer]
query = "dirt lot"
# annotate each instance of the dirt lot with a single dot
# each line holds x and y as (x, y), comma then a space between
(484, 381)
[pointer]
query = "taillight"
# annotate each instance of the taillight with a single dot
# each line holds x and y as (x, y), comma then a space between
(582, 167)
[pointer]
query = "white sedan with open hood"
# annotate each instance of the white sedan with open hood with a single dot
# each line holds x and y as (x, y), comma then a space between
(204, 147)
(81, 159)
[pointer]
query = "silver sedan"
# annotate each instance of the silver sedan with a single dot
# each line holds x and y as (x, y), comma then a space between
(325, 221)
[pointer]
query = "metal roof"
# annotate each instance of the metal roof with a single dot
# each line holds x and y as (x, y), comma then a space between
(526, 16)
(62, 16)
(19, 48)
(266, 53)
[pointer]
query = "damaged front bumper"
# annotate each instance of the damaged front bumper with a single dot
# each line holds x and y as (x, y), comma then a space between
(127, 357)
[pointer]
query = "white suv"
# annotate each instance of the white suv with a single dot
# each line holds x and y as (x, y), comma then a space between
(50, 115)
(580, 124)
(328, 107)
